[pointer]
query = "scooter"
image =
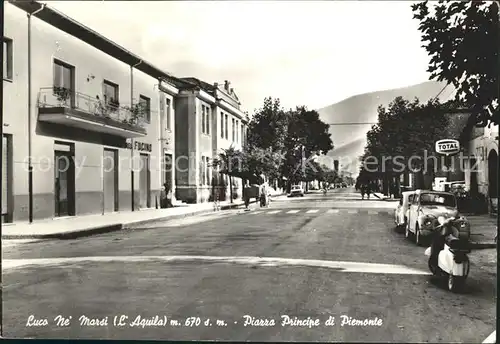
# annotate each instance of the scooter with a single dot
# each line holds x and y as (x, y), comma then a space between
(452, 263)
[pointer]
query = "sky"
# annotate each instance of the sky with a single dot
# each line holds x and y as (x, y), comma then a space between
(305, 53)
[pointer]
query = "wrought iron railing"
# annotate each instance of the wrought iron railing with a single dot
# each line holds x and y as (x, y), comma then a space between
(59, 97)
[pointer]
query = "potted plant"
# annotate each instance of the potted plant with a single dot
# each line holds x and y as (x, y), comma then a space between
(62, 94)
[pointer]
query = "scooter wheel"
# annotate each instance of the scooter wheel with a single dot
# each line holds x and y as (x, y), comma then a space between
(455, 283)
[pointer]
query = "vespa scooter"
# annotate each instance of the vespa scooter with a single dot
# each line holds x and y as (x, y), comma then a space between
(453, 262)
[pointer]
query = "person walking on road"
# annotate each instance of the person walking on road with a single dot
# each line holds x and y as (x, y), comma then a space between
(368, 190)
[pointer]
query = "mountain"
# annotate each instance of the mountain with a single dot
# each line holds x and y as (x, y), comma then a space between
(359, 113)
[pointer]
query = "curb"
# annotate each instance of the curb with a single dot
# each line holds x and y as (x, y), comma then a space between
(115, 226)
(482, 245)
(68, 235)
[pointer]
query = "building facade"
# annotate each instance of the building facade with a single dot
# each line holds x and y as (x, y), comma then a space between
(481, 174)
(97, 121)
(208, 121)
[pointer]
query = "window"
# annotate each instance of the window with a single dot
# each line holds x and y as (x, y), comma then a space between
(145, 105)
(236, 130)
(242, 134)
(207, 168)
(205, 120)
(7, 59)
(63, 82)
(232, 127)
(169, 123)
(111, 93)
(225, 126)
(204, 171)
(222, 125)
(438, 199)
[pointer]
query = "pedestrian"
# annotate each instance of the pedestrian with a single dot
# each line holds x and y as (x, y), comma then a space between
(246, 194)
(363, 190)
(368, 190)
(163, 197)
(169, 195)
(262, 197)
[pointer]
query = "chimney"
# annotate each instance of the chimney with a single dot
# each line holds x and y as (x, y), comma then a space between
(216, 85)
(226, 85)
(336, 165)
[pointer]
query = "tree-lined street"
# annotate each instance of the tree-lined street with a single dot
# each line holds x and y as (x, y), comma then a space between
(289, 259)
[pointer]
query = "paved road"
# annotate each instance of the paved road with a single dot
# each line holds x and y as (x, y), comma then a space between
(308, 258)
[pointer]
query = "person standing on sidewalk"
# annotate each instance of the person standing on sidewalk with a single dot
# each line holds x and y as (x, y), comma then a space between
(166, 197)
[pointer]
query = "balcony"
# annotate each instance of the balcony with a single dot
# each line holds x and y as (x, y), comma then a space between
(62, 106)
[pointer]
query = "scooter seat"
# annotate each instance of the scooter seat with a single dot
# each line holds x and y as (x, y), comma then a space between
(456, 244)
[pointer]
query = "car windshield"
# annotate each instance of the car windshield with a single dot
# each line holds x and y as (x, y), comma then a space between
(296, 188)
(438, 199)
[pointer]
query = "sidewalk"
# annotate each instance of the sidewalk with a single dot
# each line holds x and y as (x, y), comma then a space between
(79, 226)
(483, 231)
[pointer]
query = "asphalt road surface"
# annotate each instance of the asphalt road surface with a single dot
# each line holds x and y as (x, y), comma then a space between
(304, 260)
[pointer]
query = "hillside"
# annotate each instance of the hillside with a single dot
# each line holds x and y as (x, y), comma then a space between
(349, 140)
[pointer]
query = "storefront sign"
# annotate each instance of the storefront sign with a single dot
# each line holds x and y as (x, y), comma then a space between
(140, 146)
(447, 147)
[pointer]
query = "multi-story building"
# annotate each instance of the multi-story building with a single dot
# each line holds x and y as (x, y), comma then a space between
(481, 173)
(208, 121)
(88, 127)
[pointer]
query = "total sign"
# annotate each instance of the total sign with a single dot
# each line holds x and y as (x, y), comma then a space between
(447, 146)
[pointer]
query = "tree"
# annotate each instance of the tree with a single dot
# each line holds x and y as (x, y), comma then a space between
(461, 38)
(268, 127)
(229, 162)
(405, 130)
(307, 136)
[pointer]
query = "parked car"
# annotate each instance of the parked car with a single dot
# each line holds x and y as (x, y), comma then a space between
(424, 211)
(401, 211)
(296, 190)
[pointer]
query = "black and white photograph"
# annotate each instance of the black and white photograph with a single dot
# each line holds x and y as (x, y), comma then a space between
(250, 171)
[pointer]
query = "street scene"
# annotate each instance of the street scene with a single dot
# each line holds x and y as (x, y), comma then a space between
(252, 182)
(314, 257)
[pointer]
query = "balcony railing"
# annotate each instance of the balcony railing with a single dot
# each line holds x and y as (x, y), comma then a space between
(110, 112)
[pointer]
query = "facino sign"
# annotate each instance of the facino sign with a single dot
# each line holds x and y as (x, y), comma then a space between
(447, 146)
(140, 146)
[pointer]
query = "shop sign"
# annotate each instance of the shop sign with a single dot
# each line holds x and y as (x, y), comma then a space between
(140, 146)
(447, 146)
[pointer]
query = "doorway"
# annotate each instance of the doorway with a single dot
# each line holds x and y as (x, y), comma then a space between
(110, 180)
(7, 178)
(64, 180)
(144, 183)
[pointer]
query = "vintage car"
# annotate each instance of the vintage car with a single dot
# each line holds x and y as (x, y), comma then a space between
(424, 211)
(296, 190)
(400, 213)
